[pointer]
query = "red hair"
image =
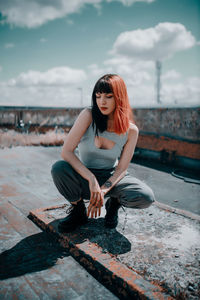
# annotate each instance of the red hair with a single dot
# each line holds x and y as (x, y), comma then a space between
(123, 112)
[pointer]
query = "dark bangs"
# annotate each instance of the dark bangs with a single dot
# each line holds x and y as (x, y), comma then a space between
(103, 86)
(99, 121)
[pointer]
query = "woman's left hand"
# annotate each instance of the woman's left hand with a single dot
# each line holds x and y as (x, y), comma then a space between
(94, 208)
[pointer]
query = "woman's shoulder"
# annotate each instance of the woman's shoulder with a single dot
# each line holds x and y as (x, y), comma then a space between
(86, 115)
(133, 129)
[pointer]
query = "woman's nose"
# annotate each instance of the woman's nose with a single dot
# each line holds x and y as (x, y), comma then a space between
(103, 99)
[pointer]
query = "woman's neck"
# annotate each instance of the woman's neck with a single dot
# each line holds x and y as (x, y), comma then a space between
(110, 125)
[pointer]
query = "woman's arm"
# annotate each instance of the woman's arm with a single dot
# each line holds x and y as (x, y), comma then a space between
(71, 142)
(125, 158)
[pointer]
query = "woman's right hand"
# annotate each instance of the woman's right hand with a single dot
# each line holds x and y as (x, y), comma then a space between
(96, 198)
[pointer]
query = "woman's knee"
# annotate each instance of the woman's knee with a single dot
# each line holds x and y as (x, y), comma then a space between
(59, 167)
(140, 199)
(147, 197)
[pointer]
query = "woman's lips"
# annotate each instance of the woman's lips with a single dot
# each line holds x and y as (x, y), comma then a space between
(103, 108)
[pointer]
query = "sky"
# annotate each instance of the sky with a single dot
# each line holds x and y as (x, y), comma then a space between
(52, 52)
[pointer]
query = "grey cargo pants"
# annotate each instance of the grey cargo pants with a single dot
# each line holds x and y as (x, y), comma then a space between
(130, 191)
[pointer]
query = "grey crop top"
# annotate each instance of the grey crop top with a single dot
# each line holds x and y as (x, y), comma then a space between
(96, 158)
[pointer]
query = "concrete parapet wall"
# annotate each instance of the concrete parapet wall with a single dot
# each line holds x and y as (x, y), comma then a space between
(170, 131)
(38, 115)
(181, 123)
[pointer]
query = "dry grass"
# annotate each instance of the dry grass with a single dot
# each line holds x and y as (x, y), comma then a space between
(11, 138)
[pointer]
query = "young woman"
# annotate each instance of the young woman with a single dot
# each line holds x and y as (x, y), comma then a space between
(106, 138)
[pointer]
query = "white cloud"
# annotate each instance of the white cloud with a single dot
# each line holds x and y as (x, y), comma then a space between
(55, 87)
(40, 96)
(138, 76)
(31, 89)
(34, 13)
(9, 45)
(115, 61)
(130, 2)
(156, 43)
(60, 76)
(133, 72)
(97, 71)
(182, 93)
(171, 75)
(134, 65)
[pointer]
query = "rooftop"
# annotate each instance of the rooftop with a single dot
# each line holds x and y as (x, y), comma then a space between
(159, 245)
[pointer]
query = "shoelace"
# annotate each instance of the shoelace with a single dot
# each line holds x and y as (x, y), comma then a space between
(69, 209)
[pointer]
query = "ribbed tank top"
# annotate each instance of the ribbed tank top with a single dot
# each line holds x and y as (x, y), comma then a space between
(96, 158)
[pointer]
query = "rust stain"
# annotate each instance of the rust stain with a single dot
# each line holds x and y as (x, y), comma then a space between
(116, 269)
(181, 148)
(8, 191)
(52, 208)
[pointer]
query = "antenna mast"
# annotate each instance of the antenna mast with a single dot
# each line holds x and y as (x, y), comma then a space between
(158, 82)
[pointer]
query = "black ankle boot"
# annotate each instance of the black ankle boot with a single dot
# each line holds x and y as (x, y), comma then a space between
(77, 216)
(111, 217)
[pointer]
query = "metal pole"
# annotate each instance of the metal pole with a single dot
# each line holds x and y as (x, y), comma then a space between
(158, 82)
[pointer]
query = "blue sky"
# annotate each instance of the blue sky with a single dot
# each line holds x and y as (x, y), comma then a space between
(52, 52)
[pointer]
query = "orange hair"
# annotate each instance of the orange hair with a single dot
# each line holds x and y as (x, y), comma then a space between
(123, 112)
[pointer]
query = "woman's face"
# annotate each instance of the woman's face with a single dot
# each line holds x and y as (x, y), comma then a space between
(105, 103)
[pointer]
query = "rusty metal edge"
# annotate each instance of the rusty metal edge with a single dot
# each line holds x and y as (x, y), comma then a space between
(177, 211)
(103, 267)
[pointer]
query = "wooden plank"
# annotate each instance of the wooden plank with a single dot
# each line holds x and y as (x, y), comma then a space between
(17, 220)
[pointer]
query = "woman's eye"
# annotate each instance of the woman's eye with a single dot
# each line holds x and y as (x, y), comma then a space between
(107, 96)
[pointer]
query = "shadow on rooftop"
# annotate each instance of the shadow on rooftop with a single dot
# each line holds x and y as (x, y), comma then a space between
(34, 253)
(41, 251)
(110, 240)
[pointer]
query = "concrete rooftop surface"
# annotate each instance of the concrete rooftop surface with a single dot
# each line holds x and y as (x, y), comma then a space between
(152, 254)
